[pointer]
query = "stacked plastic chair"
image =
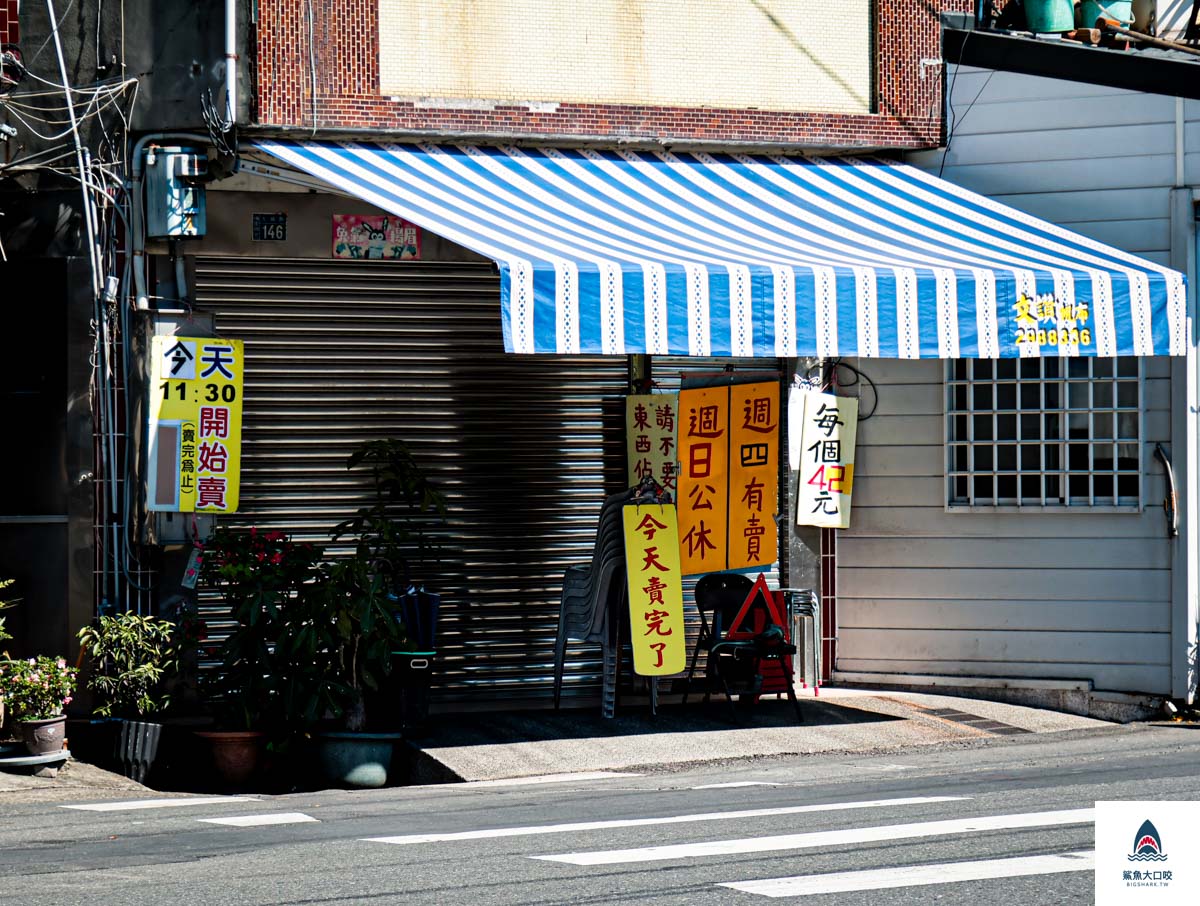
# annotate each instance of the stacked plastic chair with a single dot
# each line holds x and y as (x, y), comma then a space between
(592, 599)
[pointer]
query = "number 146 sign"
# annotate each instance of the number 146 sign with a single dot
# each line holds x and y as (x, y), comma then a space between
(195, 424)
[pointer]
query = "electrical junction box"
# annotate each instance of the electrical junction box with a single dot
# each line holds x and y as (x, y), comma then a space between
(175, 204)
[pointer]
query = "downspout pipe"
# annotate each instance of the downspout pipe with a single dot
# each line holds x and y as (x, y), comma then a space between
(231, 62)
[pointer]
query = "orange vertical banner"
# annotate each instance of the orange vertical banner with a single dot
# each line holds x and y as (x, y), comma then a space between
(753, 474)
(703, 497)
(655, 589)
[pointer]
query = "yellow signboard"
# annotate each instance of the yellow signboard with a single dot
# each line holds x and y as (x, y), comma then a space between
(655, 590)
(728, 477)
(650, 421)
(823, 443)
(753, 474)
(195, 424)
(704, 479)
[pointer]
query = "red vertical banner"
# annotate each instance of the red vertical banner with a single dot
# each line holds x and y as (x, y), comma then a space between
(753, 474)
(703, 498)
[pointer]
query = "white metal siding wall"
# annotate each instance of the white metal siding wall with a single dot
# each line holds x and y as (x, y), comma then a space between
(1076, 595)
(525, 447)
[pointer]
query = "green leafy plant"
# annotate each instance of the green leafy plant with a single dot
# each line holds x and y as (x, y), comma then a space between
(355, 625)
(391, 530)
(5, 603)
(38, 688)
(261, 576)
(132, 657)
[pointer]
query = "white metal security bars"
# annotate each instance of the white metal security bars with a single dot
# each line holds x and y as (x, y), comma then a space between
(1044, 433)
(621, 252)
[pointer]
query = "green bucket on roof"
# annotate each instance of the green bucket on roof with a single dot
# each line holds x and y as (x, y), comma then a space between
(1049, 15)
(1090, 11)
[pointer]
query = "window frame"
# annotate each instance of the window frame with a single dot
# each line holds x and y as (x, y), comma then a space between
(1069, 504)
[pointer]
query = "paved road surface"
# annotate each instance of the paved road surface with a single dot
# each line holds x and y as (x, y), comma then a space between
(1005, 822)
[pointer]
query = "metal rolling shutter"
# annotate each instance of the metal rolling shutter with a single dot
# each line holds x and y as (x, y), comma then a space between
(525, 447)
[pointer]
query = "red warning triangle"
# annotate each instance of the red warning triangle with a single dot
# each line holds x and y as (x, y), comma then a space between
(758, 611)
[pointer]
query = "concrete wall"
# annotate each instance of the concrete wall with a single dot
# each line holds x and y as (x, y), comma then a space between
(1068, 595)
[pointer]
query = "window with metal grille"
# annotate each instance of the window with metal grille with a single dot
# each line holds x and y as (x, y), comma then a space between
(1044, 432)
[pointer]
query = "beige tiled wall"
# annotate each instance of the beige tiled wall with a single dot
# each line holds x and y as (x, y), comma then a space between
(795, 55)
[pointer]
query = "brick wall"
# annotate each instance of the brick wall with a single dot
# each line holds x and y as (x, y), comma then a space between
(338, 48)
(9, 33)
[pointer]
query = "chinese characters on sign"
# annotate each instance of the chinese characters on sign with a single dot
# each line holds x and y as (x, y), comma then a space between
(1042, 321)
(823, 440)
(650, 437)
(655, 589)
(195, 429)
(356, 236)
(728, 476)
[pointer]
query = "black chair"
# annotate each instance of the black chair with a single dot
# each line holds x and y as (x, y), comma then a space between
(736, 663)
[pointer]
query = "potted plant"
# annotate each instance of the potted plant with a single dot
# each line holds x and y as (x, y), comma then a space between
(253, 694)
(131, 657)
(357, 615)
(37, 690)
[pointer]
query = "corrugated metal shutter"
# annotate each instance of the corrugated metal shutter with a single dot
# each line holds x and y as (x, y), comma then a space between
(525, 447)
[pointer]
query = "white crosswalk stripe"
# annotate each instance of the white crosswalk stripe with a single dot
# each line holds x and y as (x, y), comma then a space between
(917, 875)
(823, 839)
(126, 805)
(575, 827)
(261, 820)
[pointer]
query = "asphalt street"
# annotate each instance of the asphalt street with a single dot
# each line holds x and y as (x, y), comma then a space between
(996, 821)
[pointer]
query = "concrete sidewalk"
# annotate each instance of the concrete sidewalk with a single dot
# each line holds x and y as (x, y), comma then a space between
(497, 745)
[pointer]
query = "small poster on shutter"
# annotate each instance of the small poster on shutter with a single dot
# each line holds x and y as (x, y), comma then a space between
(387, 236)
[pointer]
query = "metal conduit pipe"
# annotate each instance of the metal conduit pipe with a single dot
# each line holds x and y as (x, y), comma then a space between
(137, 233)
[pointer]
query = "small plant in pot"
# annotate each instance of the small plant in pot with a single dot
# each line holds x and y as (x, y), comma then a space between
(37, 690)
(132, 658)
(356, 608)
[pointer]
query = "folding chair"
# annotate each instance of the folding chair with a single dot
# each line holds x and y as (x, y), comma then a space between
(737, 662)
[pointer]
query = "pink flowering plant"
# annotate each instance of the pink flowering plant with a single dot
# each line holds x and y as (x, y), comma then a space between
(261, 576)
(37, 688)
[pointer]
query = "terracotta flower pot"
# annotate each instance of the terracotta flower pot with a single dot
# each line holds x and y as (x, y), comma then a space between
(235, 754)
(44, 737)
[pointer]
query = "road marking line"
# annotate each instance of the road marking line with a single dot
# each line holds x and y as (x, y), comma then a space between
(131, 804)
(645, 822)
(823, 839)
(917, 875)
(261, 820)
(544, 778)
(734, 783)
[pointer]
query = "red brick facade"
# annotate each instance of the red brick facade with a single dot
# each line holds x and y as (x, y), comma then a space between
(344, 45)
(9, 33)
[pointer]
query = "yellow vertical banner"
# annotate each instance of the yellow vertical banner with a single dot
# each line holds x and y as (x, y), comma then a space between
(753, 474)
(824, 440)
(195, 424)
(655, 589)
(650, 424)
(703, 497)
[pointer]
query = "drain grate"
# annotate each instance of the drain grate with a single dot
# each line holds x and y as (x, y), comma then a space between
(986, 724)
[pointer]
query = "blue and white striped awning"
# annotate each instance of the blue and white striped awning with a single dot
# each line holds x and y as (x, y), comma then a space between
(621, 252)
